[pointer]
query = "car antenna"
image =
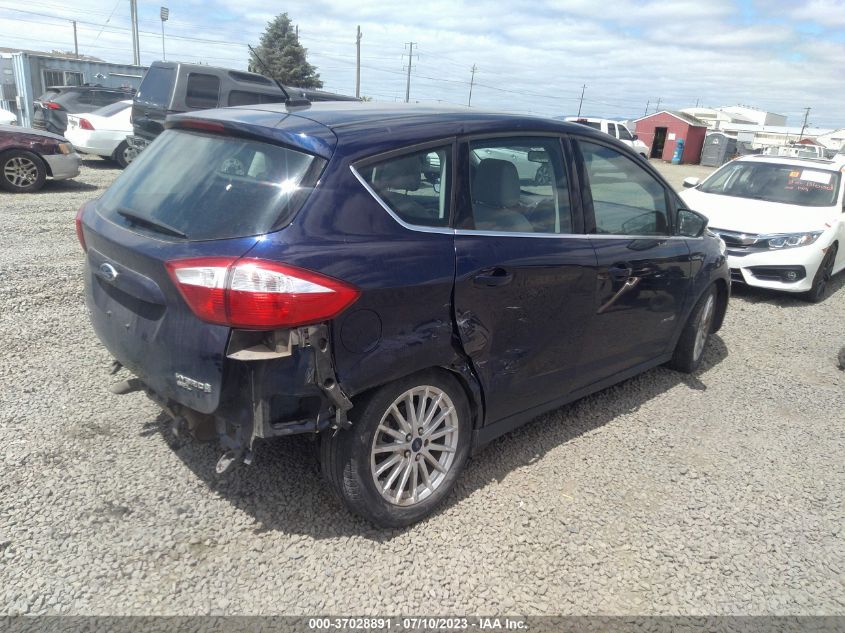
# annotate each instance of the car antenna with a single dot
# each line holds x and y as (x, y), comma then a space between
(289, 101)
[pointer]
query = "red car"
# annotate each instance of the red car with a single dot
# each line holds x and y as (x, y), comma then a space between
(28, 157)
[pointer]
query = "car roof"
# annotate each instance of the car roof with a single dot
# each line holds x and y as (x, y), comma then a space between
(833, 164)
(348, 118)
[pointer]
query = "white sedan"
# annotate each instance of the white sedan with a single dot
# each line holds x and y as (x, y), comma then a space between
(103, 132)
(7, 118)
(781, 220)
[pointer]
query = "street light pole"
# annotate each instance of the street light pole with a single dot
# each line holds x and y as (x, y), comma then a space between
(165, 14)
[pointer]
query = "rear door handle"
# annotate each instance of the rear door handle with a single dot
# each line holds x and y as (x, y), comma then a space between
(493, 277)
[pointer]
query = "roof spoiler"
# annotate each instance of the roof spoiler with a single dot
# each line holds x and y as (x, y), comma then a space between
(290, 102)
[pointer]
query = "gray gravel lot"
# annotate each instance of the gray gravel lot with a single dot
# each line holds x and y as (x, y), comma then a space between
(716, 493)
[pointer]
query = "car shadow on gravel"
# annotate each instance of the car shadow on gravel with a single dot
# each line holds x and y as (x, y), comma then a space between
(753, 294)
(63, 186)
(284, 490)
(101, 164)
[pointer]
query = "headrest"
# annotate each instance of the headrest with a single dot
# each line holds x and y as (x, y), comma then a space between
(496, 183)
(403, 173)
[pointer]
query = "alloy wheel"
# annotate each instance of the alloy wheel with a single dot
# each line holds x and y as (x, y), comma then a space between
(704, 323)
(414, 445)
(20, 172)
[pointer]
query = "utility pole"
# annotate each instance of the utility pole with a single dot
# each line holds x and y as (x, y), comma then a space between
(75, 43)
(296, 31)
(803, 127)
(408, 84)
(696, 103)
(647, 103)
(657, 109)
(583, 88)
(471, 83)
(358, 63)
(133, 16)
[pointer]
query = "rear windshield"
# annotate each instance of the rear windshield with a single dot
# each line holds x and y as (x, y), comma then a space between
(157, 86)
(773, 182)
(113, 108)
(51, 92)
(199, 186)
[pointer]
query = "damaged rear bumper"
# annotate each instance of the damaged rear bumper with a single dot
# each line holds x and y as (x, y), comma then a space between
(275, 384)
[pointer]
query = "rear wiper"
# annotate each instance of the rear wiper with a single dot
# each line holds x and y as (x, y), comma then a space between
(155, 225)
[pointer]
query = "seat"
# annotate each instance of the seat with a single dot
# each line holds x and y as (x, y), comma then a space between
(396, 176)
(496, 197)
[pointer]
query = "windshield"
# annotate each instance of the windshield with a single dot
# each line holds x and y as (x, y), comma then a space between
(773, 182)
(209, 187)
(156, 86)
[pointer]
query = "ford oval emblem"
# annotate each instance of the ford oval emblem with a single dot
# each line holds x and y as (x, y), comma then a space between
(108, 271)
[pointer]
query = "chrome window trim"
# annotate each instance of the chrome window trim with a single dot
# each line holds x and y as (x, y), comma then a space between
(445, 230)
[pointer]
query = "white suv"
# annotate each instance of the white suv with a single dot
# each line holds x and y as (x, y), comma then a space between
(616, 129)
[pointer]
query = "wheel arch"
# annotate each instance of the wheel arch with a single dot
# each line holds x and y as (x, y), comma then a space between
(723, 293)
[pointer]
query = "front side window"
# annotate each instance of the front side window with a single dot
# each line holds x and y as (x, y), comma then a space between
(624, 133)
(518, 185)
(203, 91)
(627, 200)
(414, 186)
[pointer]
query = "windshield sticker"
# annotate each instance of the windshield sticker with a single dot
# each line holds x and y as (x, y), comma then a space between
(821, 177)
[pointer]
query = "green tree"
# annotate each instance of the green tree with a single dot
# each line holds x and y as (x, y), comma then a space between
(284, 56)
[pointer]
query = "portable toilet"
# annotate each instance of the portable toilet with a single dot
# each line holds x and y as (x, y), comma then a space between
(718, 149)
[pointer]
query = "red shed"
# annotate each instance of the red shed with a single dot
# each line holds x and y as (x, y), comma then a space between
(660, 131)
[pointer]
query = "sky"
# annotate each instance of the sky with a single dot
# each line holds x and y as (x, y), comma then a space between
(531, 56)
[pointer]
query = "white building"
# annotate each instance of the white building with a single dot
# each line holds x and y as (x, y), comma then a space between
(754, 115)
(715, 118)
(835, 139)
(763, 136)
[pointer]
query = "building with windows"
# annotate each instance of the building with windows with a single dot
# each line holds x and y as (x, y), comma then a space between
(25, 76)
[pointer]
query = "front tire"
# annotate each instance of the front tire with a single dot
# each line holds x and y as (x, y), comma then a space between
(816, 294)
(408, 443)
(690, 348)
(22, 171)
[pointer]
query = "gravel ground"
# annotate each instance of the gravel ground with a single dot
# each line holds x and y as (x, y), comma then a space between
(718, 493)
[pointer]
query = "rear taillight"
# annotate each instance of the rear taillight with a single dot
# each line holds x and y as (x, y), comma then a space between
(52, 106)
(79, 234)
(258, 294)
(85, 124)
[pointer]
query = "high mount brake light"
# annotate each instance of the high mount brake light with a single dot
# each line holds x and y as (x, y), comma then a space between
(52, 106)
(258, 294)
(200, 124)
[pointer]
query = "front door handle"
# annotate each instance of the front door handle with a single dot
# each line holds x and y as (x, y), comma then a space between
(493, 277)
(620, 272)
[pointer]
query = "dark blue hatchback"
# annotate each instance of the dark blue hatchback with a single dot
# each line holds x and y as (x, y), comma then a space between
(409, 283)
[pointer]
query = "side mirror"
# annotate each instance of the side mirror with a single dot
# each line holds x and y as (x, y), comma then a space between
(635, 137)
(691, 181)
(691, 223)
(538, 156)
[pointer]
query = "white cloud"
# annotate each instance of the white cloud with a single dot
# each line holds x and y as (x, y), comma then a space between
(537, 54)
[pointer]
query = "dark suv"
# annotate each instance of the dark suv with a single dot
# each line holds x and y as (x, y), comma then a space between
(265, 272)
(52, 108)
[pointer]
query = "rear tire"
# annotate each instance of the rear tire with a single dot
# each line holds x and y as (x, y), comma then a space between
(816, 294)
(123, 155)
(381, 474)
(22, 171)
(690, 348)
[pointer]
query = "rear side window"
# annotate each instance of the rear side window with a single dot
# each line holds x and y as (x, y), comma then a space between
(203, 91)
(611, 129)
(518, 185)
(157, 86)
(244, 97)
(416, 187)
(210, 187)
(627, 200)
